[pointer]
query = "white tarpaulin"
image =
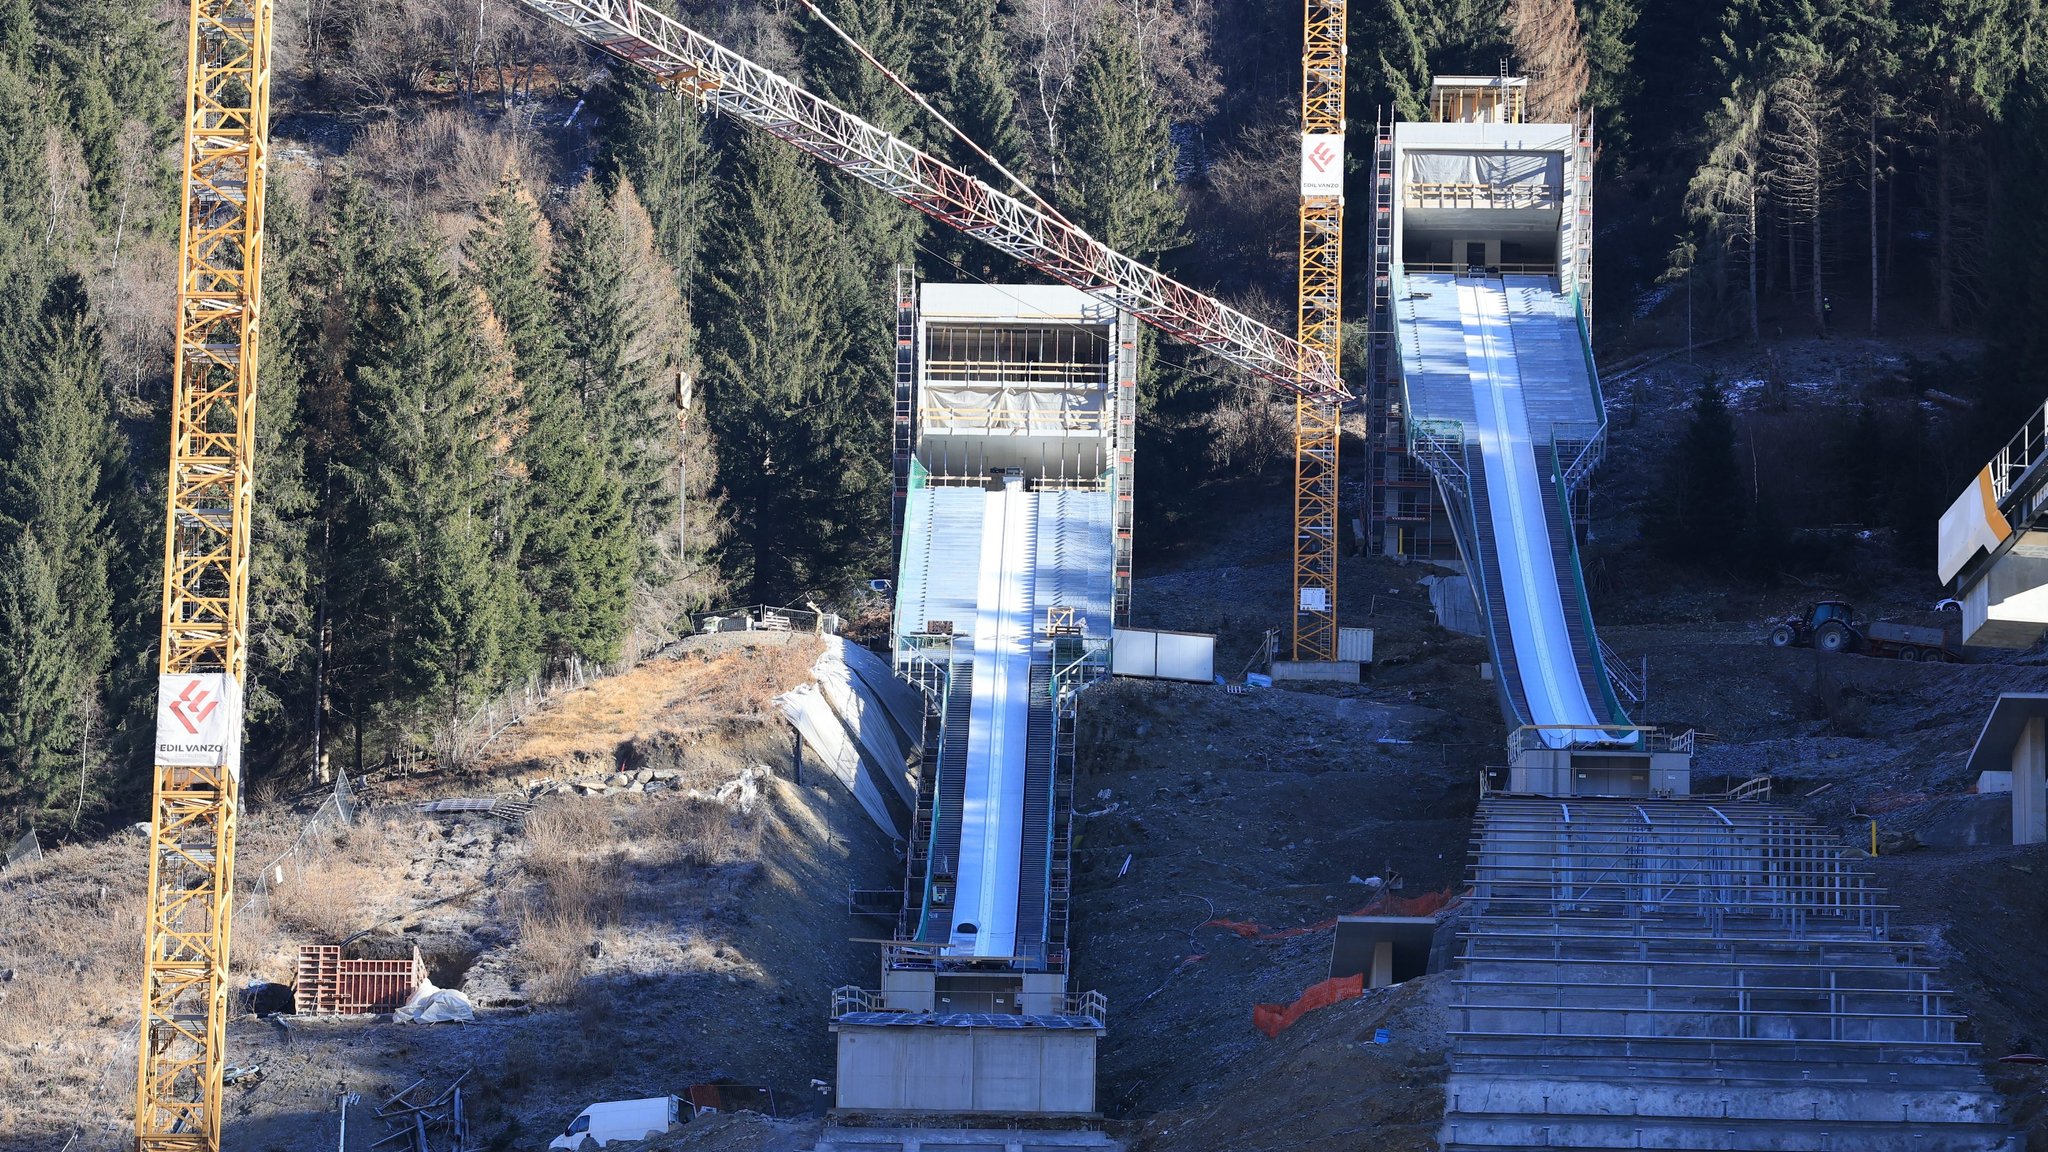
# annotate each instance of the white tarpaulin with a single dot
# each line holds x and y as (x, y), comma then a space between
(1543, 169)
(825, 737)
(1973, 522)
(199, 721)
(1322, 164)
(431, 1005)
(1011, 406)
(884, 747)
(903, 703)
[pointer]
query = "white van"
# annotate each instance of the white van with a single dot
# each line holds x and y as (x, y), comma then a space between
(600, 1124)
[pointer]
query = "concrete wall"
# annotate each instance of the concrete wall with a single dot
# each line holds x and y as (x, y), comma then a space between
(1563, 772)
(955, 1070)
(2030, 784)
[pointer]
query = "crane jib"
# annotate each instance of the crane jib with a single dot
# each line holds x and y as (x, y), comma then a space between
(682, 58)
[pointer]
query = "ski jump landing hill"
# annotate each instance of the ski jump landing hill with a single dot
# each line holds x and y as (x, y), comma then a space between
(1489, 271)
(1014, 422)
(1638, 967)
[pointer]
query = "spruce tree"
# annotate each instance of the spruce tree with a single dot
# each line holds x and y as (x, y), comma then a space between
(56, 441)
(1609, 28)
(1120, 154)
(961, 67)
(39, 703)
(627, 337)
(656, 139)
(276, 692)
(801, 443)
(879, 229)
(577, 561)
(424, 571)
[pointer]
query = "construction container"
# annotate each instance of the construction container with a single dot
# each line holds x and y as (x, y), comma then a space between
(328, 985)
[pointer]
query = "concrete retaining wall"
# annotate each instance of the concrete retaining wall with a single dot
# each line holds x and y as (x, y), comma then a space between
(961, 1070)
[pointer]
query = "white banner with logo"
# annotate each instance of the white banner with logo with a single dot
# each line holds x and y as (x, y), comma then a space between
(199, 721)
(1322, 164)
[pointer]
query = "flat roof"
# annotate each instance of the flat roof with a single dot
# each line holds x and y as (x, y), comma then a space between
(1019, 303)
(2009, 715)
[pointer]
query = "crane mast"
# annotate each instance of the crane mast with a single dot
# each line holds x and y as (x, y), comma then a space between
(201, 649)
(1319, 327)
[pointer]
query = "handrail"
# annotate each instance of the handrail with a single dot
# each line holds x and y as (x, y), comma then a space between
(2027, 448)
(1585, 603)
(1636, 686)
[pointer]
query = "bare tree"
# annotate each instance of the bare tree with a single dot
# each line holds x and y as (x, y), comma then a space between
(1545, 34)
(1802, 158)
(1057, 34)
(1173, 40)
(1725, 192)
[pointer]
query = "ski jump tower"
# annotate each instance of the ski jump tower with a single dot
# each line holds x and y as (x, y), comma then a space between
(1487, 265)
(1015, 410)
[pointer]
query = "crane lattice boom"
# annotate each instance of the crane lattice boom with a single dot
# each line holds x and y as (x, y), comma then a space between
(684, 59)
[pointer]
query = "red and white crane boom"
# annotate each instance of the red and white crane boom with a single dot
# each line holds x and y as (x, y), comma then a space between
(682, 58)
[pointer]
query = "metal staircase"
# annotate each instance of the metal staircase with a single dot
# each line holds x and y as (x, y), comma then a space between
(949, 795)
(1034, 867)
(1485, 562)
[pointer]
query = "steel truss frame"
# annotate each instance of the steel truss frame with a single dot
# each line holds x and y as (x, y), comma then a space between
(1319, 327)
(206, 566)
(681, 58)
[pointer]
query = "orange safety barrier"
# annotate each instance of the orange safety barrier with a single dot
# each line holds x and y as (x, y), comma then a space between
(1273, 1019)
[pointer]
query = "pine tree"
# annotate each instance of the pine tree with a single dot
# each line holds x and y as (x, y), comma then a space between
(577, 561)
(1120, 155)
(801, 444)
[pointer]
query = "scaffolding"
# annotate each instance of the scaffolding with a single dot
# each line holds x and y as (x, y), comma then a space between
(1653, 953)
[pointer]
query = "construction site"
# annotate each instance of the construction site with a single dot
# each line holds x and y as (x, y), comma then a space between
(1339, 822)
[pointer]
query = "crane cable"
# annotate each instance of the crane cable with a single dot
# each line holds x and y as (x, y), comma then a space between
(963, 137)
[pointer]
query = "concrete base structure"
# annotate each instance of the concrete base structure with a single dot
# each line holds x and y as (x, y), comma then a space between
(971, 1063)
(1599, 772)
(1338, 671)
(2014, 743)
(2007, 607)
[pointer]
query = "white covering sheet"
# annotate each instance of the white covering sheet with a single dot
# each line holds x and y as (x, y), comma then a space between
(992, 813)
(1514, 484)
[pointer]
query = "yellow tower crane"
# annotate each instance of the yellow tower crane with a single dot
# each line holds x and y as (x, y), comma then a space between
(206, 578)
(1319, 327)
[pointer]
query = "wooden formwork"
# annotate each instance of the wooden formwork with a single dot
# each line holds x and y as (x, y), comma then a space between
(328, 985)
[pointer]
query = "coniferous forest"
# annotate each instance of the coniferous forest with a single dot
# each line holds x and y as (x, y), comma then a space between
(492, 260)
